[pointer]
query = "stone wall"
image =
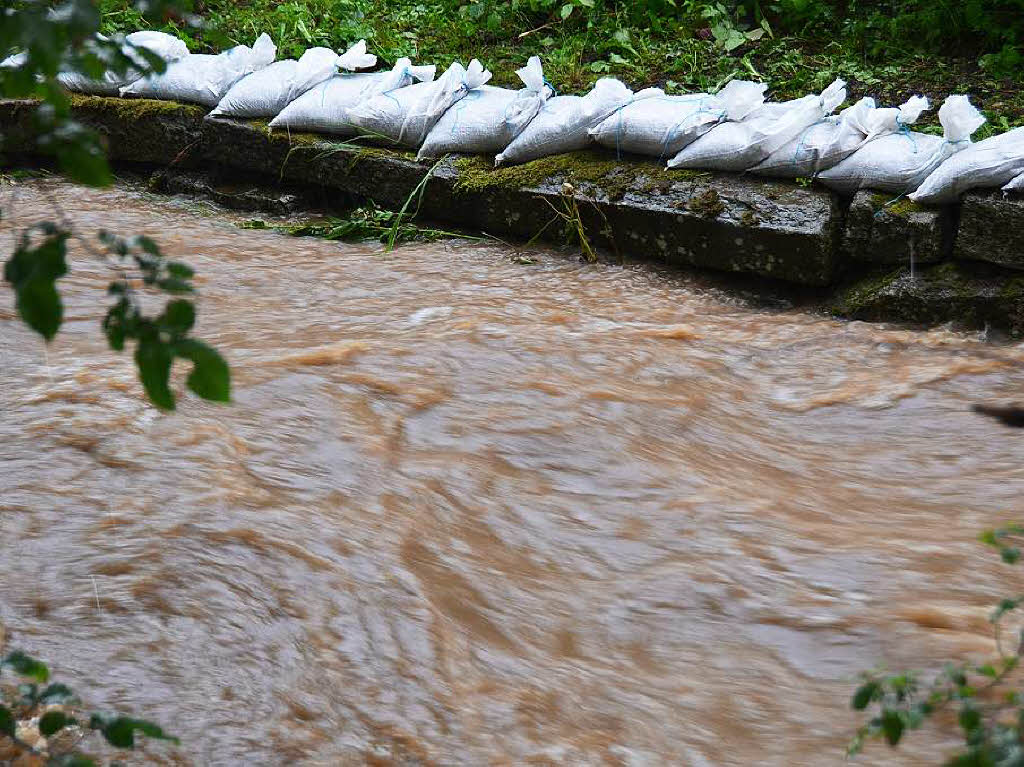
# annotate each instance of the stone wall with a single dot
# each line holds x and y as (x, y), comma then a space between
(874, 257)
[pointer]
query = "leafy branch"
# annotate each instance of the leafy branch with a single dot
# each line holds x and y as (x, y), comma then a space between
(989, 706)
(53, 707)
(52, 38)
(160, 339)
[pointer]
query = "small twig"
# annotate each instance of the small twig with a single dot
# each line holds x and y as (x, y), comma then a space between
(538, 29)
(181, 155)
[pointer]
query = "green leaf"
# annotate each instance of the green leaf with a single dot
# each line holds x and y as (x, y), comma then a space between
(972, 758)
(120, 731)
(56, 693)
(33, 272)
(28, 667)
(970, 719)
(567, 10)
(145, 243)
(7, 724)
(154, 358)
(174, 285)
(210, 377)
(40, 307)
(864, 695)
(892, 726)
(183, 271)
(178, 317)
(53, 721)
(1010, 555)
(115, 324)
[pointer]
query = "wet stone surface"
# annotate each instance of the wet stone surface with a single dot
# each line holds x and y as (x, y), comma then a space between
(885, 231)
(632, 207)
(972, 295)
(991, 229)
(728, 223)
(251, 194)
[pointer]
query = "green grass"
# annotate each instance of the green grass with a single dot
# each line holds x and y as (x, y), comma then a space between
(668, 48)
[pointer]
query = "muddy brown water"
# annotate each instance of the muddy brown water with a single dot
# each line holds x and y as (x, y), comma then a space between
(469, 511)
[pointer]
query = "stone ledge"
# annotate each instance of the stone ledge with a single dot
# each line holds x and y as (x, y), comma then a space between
(880, 230)
(735, 224)
(991, 229)
(972, 295)
(729, 223)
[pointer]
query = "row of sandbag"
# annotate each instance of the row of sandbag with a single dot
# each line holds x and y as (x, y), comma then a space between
(733, 130)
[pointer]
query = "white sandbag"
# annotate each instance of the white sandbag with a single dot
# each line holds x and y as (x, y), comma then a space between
(488, 118)
(989, 163)
(267, 91)
(202, 78)
(324, 108)
(14, 61)
(662, 125)
(564, 122)
(900, 162)
(1017, 185)
(821, 145)
(407, 114)
(167, 47)
(738, 146)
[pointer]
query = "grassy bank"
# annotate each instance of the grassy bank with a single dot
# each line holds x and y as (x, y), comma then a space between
(890, 50)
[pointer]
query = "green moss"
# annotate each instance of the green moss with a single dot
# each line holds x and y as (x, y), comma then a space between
(749, 218)
(135, 109)
(952, 279)
(615, 178)
(855, 299)
(143, 130)
(1013, 289)
(708, 204)
(383, 152)
(685, 174)
(360, 153)
(970, 294)
(901, 206)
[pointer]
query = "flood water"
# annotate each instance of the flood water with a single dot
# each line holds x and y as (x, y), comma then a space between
(470, 511)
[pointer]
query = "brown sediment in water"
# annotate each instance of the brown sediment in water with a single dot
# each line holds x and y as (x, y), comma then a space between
(465, 511)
